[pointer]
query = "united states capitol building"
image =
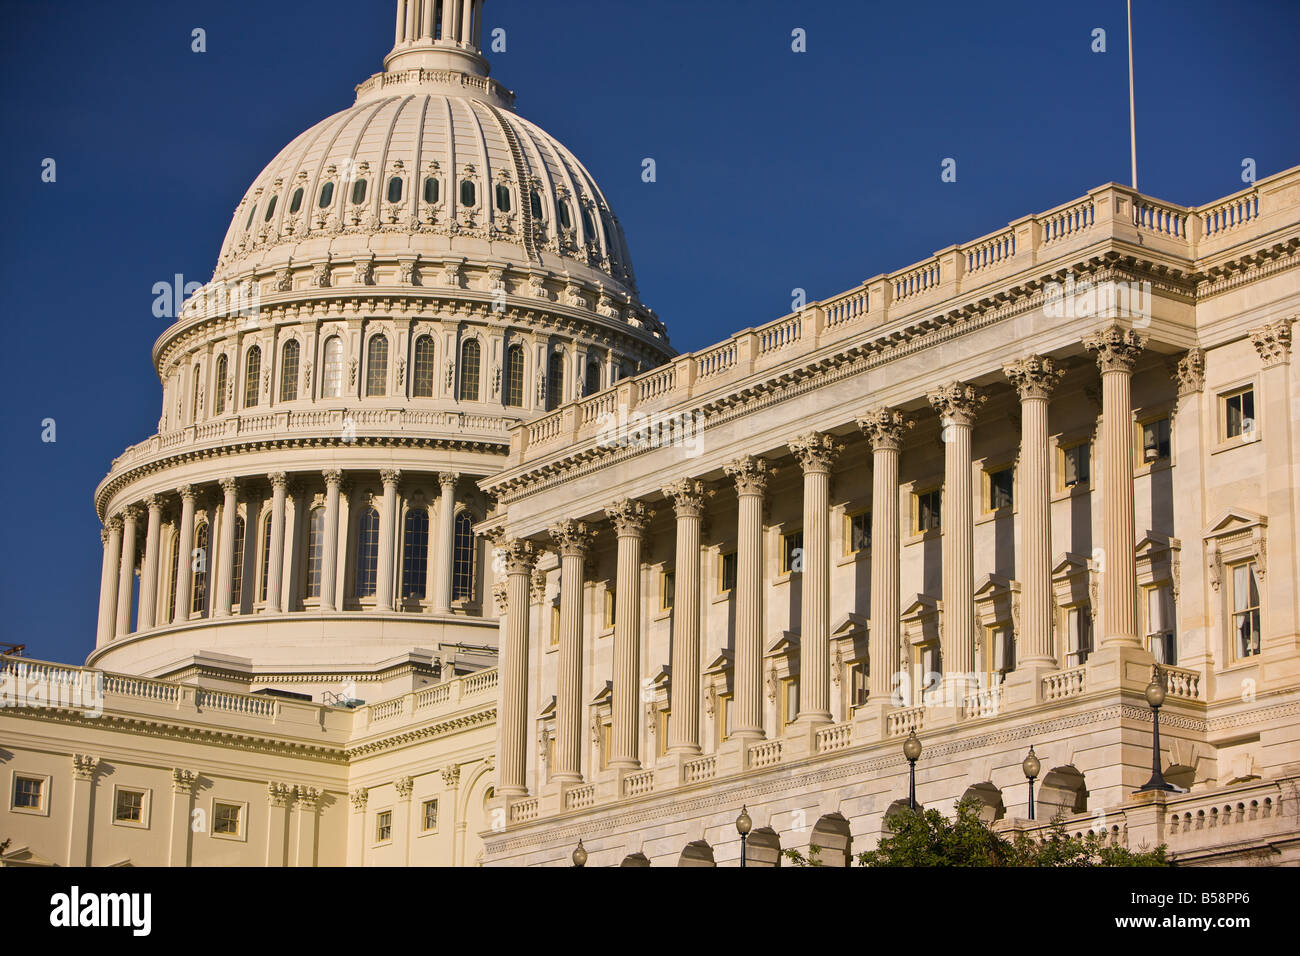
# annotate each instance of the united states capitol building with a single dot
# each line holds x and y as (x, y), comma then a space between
(443, 555)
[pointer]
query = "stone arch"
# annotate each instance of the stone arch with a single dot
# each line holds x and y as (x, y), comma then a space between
(892, 813)
(697, 853)
(832, 835)
(474, 795)
(1062, 792)
(763, 848)
(635, 859)
(989, 800)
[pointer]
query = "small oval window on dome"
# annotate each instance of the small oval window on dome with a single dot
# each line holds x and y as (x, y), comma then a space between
(535, 204)
(358, 192)
(503, 197)
(249, 223)
(468, 193)
(270, 209)
(395, 189)
(588, 225)
(296, 202)
(562, 210)
(326, 195)
(431, 190)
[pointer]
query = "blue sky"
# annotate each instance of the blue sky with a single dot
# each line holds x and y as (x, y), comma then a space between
(776, 171)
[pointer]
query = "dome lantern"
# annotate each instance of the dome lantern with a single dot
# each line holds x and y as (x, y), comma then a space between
(438, 35)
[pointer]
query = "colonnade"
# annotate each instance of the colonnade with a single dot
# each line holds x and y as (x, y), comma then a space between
(1034, 378)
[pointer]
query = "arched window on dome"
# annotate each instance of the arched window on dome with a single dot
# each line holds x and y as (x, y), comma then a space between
(555, 381)
(588, 224)
(252, 373)
(535, 205)
(270, 209)
(168, 583)
(468, 193)
(266, 555)
(358, 192)
(367, 575)
(395, 189)
(219, 387)
(199, 571)
(415, 553)
(503, 197)
(289, 371)
(252, 211)
(562, 212)
(422, 372)
(315, 551)
(431, 190)
(296, 202)
(332, 379)
(514, 385)
(593, 378)
(237, 567)
(469, 371)
(377, 367)
(462, 569)
(326, 196)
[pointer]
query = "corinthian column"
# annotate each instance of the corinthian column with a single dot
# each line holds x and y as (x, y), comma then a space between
(957, 405)
(330, 559)
(816, 454)
(512, 766)
(184, 556)
(387, 540)
(126, 570)
(275, 564)
(630, 518)
(111, 535)
(750, 475)
(687, 496)
(1035, 378)
(884, 428)
(226, 560)
(574, 541)
(1117, 352)
(149, 573)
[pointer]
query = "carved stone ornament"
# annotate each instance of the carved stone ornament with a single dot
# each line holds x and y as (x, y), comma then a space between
(405, 786)
(1190, 372)
(573, 538)
(359, 798)
(630, 518)
(184, 781)
(308, 798)
(520, 556)
(687, 496)
(84, 766)
(816, 452)
(1117, 348)
(320, 275)
(451, 777)
(957, 403)
(1273, 342)
(1034, 376)
(750, 474)
(279, 794)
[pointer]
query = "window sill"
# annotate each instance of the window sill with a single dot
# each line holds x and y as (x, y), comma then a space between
(853, 557)
(918, 536)
(1081, 490)
(1232, 443)
(1000, 513)
(1153, 468)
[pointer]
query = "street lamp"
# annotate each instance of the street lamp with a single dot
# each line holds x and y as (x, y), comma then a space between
(1155, 698)
(912, 751)
(743, 825)
(1031, 766)
(579, 855)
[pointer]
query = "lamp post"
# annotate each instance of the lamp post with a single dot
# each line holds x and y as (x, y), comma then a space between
(1155, 698)
(579, 855)
(743, 825)
(912, 751)
(1031, 766)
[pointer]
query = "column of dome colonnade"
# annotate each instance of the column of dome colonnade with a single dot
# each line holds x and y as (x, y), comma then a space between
(163, 602)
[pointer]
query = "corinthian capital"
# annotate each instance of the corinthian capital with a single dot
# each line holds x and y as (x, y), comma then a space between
(573, 538)
(84, 766)
(630, 518)
(884, 428)
(1117, 348)
(390, 476)
(957, 403)
(229, 486)
(1273, 342)
(184, 781)
(750, 475)
(1034, 376)
(520, 556)
(279, 480)
(816, 452)
(1190, 372)
(333, 477)
(687, 496)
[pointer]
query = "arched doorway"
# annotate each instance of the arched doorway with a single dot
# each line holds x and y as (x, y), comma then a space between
(988, 799)
(1061, 793)
(697, 853)
(763, 848)
(635, 859)
(831, 835)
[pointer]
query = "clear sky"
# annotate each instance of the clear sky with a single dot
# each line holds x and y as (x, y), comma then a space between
(776, 170)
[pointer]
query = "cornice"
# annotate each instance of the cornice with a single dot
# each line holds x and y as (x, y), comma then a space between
(442, 728)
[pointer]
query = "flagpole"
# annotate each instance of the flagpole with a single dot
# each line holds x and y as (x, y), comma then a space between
(1132, 115)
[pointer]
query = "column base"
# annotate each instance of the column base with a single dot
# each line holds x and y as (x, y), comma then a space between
(1120, 667)
(1023, 687)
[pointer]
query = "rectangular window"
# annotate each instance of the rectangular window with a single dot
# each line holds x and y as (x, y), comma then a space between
(1160, 624)
(928, 664)
(1001, 485)
(606, 743)
(927, 511)
(555, 624)
(227, 819)
(129, 806)
(430, 816)
(384, 826)
(29, 793)
(857, 684)
(1239, 414)
(661, 733)
(1245, 608)
(857, 532)
(667, 590)
(792, 553)
(550, 755)
(789, 701)
(1078, 625)
(1155, 441)
(727, 572)
(609, 607)
(1076, 464)
(999, 653)
(722, 719)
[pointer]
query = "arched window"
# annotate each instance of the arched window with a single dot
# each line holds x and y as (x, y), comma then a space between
(593, 378)
(462, 569)
(588, 225)
(367, 553)
(395, 189)
(270, 209)
(315, 551)
(237, 568)
(358, 192)
(415, 553)
(266, 554)
(535, 205)
(198, 393)
(326, 196)
(199, 572)
(468, 193)
(514, 390)
(219, 389)
(431, 190)
(555, 380)
(469, 371)
(377, 366)
(252, 372)
(332, 379)
(503, 197)
(296, 202)
(289, 371)
(169, 579)
(422, 374)
(562, 211)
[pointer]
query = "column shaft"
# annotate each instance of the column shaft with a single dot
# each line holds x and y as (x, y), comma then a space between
(684, 718)
(631, 518)
(149, 573)
(112, 538)
(386, 585)
(574, 541)
(126, 571)
(446, 555)
(750, 475)
(184, 557)
(816, 454)
(330, 559)
(512, 764)
(225, 564)
(275, 559)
